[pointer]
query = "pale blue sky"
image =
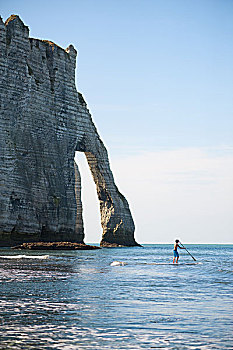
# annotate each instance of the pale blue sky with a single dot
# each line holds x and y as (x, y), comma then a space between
(157, 76)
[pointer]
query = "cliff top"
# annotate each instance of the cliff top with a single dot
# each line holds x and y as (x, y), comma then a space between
(15, 21)
(15, 18)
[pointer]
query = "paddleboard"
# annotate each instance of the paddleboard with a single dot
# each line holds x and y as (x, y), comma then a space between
(179, 264)
(122, 263)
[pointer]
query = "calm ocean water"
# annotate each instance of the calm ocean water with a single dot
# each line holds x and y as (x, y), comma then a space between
(76, 300)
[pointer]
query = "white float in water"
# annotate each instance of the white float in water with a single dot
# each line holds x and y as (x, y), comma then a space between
(117, 263)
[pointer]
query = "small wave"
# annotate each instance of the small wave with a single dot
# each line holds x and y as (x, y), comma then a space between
(24, 256)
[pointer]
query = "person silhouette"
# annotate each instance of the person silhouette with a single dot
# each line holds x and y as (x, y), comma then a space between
(175, 251)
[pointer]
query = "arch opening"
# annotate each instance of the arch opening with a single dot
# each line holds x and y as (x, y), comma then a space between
(90, 202)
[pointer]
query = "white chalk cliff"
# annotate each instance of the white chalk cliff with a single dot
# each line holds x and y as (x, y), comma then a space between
(44, 121)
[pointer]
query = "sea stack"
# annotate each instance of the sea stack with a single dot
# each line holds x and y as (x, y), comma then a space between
(44, 121)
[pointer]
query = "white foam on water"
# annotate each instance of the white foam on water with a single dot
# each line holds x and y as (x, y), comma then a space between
(118, 263)
(24, 256)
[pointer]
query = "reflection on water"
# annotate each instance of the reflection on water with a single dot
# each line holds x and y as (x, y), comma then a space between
(76, 300)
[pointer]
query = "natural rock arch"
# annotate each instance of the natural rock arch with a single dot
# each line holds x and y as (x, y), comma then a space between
(44, 121)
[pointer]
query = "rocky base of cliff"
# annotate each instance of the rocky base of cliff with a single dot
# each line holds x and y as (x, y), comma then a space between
(55, 246)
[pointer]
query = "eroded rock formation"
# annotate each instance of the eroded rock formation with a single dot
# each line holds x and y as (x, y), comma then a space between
(44, 121)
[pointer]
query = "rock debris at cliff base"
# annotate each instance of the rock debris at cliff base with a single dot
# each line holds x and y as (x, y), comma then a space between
(56, 246)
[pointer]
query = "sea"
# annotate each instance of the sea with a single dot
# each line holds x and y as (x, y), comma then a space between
(117, 298)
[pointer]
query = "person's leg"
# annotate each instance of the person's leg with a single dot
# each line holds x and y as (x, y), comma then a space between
(174, 256)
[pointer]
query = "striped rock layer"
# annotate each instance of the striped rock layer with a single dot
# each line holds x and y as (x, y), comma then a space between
(44, 121)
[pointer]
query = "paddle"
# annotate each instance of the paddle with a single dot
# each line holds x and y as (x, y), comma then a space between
(187, 251)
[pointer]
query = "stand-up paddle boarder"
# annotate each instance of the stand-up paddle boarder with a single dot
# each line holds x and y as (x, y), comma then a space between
(175, 251)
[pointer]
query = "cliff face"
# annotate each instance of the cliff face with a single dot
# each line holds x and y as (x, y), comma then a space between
(44, 121)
